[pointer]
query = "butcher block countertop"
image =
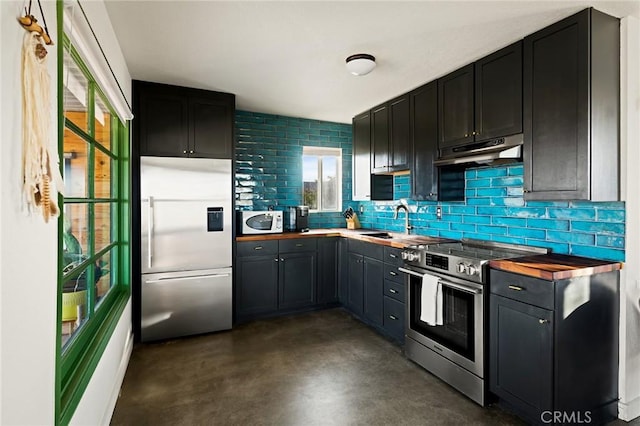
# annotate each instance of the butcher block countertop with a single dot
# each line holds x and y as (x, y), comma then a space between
(398, 240)
(554, 267)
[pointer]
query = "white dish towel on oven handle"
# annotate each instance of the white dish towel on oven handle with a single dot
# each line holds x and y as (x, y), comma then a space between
(431, 300)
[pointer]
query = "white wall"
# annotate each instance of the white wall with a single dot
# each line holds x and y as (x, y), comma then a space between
(28, 253)
(629, 406)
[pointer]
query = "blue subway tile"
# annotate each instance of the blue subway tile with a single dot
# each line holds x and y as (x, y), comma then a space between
(507, 201)
(470, 192)
(561, 248)
(493, 211)
(450, 234)
(491, 172)
(509, 221)
(527, 233)
(610, 215)
(527, 212)
(467, 227)
(564, 204)
(516, 170)
(509, 240)
(470, 174)
(615, 205)
(610, 241)
(479, 201)
(489, 229)
(572, 214)
(477, 236)
(491, 192)
(560, 225)
(571, 237)
(598, 227)
(438, 225)
(507, 181)
(478, 183)
(598, 252)
(462, 210)
(514, 191)
(484, 220)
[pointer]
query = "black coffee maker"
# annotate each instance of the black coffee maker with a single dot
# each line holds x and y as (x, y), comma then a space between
(299, 218)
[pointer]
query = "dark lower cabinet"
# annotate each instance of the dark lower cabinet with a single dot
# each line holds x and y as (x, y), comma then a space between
(328, 271)
(373, 276)
(355, 287)
(256, 285)
(553, 346)
(297, 280)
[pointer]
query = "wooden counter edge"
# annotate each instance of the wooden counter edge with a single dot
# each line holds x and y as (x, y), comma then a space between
(535, 272)
(346, 233)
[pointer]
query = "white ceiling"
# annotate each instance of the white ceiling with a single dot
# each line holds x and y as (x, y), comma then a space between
(288, 57)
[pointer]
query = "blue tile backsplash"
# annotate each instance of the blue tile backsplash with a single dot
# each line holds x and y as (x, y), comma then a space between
(269, 161)
(268, 173)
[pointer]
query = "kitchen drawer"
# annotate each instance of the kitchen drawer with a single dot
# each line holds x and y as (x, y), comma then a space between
(393, 255)
(532, 291)
(391, 273)
(394, 290)
(257, 248)
(394, 317)
(372, 250)
(299, 244)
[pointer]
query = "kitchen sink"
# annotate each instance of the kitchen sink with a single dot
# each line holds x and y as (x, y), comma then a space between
(384, 235)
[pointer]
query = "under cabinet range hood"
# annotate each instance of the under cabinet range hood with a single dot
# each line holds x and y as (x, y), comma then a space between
(494, 151)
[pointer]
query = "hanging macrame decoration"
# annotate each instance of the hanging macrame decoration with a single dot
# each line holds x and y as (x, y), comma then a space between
(41, 173)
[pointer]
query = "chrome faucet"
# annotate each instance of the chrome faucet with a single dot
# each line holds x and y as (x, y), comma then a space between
(404, 207)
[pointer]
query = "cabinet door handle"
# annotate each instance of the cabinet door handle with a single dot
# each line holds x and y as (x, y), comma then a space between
(299, 245)
(392, 273)
(191, 152)
(184, 152)
(516, 288)
(257, 248)
(543, 321)
(393, 317)
(276, 259)
(474, 133)
(393, 255)
(525, 190)
(281, 259)
(466, 135)
(393, 291)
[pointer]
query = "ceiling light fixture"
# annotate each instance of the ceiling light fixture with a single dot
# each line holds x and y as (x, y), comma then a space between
(361, 63)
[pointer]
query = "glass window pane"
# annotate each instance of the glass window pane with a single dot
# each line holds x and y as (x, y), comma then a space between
(102, 123)
(103, 276)
(74, 306)
(103, 234)
(102, 175)
(76, 93)
(75, 236)
(310, 181)
(330, 183)
(75, 165)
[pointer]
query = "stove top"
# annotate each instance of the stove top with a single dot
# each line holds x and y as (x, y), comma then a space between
(463, 259)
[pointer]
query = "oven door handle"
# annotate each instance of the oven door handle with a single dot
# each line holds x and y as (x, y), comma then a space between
(444, 283)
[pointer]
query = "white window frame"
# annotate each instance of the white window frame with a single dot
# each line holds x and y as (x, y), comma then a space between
(321, 153)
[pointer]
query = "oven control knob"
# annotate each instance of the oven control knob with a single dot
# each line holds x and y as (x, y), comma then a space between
(413, 257)
(405, 255)
(471, 270)
(461, 268)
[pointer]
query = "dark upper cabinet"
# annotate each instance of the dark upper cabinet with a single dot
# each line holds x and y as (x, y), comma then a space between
(424, 136)
(498, 93)
(362, 157)
(380, 139)
(483, 100)
(174, 121)
(391, 136)
(571, 109)
(455, 107)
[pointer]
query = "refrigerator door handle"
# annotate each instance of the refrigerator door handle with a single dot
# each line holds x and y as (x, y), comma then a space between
(150, 234)
(194, 277)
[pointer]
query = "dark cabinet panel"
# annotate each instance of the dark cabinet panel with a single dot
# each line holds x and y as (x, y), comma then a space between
(424, 127)
(380, 139)
(373, 290)
(343, 278)
(211, 127)
(394, 317)
(328, 270)
(455, 107)
(400, 133)
(571, 109)
(521, 368)
(355, 291)
(256, 285)
(173, 121)
(297, 282)
(362, 157)
(498, 93)
(163, 124)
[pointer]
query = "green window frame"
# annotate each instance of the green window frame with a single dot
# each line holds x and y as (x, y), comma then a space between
(77, 356)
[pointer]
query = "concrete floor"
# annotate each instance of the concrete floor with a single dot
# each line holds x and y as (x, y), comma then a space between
(319, 368)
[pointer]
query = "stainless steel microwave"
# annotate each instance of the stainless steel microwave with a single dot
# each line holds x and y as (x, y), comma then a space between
(259, 222)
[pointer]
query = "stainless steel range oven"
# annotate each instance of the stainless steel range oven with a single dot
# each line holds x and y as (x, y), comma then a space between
(454, 349)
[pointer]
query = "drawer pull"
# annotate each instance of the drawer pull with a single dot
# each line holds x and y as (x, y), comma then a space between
(543, 321)
(299, 245)
(393, 273)
(276, 259)
(257, 248)
(393, 255)
(516, 288)
(393, 317)
(393, 291)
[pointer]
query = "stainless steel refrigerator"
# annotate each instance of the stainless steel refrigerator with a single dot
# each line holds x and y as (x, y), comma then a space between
(186, 246)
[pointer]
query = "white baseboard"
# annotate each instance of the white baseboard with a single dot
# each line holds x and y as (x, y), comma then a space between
(628, 411)
(122, 369)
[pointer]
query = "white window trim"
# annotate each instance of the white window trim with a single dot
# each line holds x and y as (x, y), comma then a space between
(325, 152)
